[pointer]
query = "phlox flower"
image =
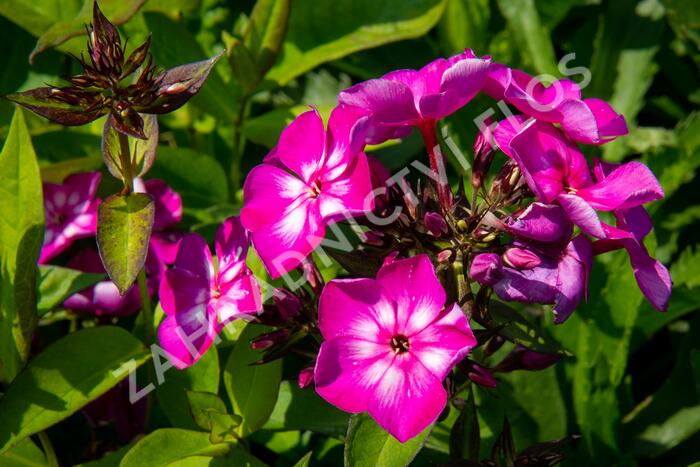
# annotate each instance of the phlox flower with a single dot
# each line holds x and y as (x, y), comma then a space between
(200, 296)
(71, 212)
(587, 121)
(405, 98)
(312, 178)
(556, 171)
(388, 345)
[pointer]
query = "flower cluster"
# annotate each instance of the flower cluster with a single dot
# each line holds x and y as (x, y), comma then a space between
(529, 233)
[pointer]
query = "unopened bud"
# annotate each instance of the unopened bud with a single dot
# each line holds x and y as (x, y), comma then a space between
(444, 256)
(520, 258)
(287, 304)
(270, 339)
(483, 154)
(306, 377)
(435, 223)
(477, 373)
(374, 238)
(486, 268)
(522, 358)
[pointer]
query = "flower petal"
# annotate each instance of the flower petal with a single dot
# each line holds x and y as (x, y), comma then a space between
(415, 288)
(407, 399)
(356, 308)
(238, 298)
(350, 193)
(582, 214)
(302, 145)
(629, 185)
(185, 336)
(231, 246)
(348, 370)
(572, 277)
(390, 102)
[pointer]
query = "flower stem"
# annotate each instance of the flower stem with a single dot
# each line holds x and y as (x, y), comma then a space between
(437, 163)
(146, 311)
(48, 449)
(238, 146)
(127, 170)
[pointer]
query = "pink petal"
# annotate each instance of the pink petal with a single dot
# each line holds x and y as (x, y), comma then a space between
(348, 370)
(185, 336)
(180, 290)
(629, 185)
(268, 192)
(407, 399)
(591, 121)
(582, 214)
(390, 102)
(231, 246)
(532, 97)
(497, 80)
(194, 257)
(356, 308)
(440, 346)
(572, 277)
(506, 130)
(350, 193)
(81, 187)
(168, 204)
(652, 277)
(238, 298)
(302, 144)
(415, 288)
(347, 129)
(283, 244)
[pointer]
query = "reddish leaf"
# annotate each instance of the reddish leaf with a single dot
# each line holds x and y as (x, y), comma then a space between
(66, 106)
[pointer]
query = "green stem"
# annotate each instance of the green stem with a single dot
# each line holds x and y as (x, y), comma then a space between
(238, 146)
(48, 449)
(127, 170)
(146, 311)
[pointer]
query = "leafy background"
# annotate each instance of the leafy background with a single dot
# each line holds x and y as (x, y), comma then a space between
(631, 387)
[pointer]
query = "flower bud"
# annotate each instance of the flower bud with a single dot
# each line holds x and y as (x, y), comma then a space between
(287, 304)
(522, 358)
(520, 258)
(506, 179)
(444, 256)
(270, 339)
(390, 258)
(486, 268)
(306, 377)
(477, 373)
(435, 223)
(484, 152)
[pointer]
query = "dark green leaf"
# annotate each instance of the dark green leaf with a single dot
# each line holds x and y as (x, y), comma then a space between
(464, 436)
(167, 445)
(21, 234)
(341, 28)
(251, 388)
(465, 25)
(123, 228)
(243, 65)
(63, 378)
(503, 452)
(55, 284)
(172, 394)
(368, 445)
(209, 413)
(303, 409)
(520, 330)
(118, 12)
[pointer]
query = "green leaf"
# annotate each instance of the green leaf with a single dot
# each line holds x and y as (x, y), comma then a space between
(143, 152)
(304, 461)
(680, 426)
(22, 234)
(251, 388)
(123, 228)
(216, 97)
(58, 171)
(118, 12)
(265, 31)
(686, 269)
(465, 25)
(172, 394)
(368, 445)
(199, 178)
(209, 412)
(344, 26)
(243, 65)
(265, 129)
(71, 372)
(237, 456)
(167, 445)
(55, 284)
(530, 35)
(520, 330)
(464, 436)
(303, 409)
(24, 454)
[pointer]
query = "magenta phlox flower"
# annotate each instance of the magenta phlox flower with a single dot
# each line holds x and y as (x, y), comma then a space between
(388, 345)
(405, 98)
(200, 296)
(528, 274)
(632, 225)
(587, 121)
(311, 179)
(71, 212)
(556, 171)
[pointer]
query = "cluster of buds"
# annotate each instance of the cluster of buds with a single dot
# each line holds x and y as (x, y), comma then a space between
(107, 84)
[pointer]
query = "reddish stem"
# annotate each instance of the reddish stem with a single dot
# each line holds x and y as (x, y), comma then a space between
(437, 163)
